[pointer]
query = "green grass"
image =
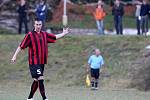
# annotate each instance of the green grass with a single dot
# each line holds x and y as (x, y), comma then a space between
(73, 93)
(68, 58)
(5, 32)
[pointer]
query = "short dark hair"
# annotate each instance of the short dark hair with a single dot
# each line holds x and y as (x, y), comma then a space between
(37, 19)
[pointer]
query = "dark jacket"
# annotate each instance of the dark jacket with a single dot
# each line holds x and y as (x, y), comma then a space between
(41, 11)
(144, 10)
(118, 11)
(22, 10)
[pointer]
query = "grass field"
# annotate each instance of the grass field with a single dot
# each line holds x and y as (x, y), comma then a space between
(73, 93)
(66, 68)
(68, 57)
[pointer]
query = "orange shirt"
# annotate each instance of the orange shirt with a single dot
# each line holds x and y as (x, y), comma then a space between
(99, 14)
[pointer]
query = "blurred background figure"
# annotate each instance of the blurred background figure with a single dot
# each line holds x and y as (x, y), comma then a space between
(40, 12)
(118, 12)
(99, 16)
(22, 18)
(138, 17)
(144, 16)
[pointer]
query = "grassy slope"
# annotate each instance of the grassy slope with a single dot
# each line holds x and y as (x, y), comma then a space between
(68, 58)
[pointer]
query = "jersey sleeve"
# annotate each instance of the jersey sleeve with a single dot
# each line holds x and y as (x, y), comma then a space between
(26, 42)
(90, 60)
(51, 38)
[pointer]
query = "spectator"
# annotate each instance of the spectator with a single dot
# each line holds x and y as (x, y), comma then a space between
(118, 12)
(95, 62)
(99, 16)
(144, 16)
(149, 10)
(22, 11)
(138, 17)
(41, 11)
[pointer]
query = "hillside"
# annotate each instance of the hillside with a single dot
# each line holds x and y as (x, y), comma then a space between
(68, 58)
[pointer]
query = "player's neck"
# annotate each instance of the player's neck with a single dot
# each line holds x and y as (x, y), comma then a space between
(96, 55)
(38, 31)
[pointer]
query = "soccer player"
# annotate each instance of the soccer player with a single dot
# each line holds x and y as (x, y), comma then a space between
(95, 62)
(37, 43)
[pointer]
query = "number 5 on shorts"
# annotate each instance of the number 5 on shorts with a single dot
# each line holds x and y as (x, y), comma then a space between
(38, 71)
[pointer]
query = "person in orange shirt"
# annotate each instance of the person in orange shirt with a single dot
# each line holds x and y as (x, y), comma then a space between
(99, 15)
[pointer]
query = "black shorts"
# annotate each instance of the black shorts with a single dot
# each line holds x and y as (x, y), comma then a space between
(95, 73)
(36, 70)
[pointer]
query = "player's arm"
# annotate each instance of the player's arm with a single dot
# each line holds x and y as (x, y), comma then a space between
(32, 10)
(89, 65)
(103, 67)
(15, 54)
(65, 31)
(24, 44)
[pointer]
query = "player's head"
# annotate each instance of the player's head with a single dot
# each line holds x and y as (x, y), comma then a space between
(37, 24)
(144, 1)
(117, 2)
(100, 3)
(22, 2)
(97, 52)
(42, 2)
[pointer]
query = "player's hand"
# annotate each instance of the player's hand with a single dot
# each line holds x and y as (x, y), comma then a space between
(13, 60)
(139, 17)
(66, 30)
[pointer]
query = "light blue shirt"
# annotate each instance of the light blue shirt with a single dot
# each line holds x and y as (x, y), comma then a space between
(96, 61)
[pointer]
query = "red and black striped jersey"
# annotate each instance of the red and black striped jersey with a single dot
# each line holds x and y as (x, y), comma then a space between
(38, 46)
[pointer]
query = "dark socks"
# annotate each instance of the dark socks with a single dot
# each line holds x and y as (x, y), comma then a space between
(42, 89)
(92, 83)
(33, 89)
(96, 84)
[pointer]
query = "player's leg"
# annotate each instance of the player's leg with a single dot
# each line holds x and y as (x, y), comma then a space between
(96, 78)
(34, 87)
(37, 74)
(92, 78)
(42, 87)
(41, 83)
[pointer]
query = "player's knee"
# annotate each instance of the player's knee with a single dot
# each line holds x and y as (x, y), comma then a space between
(41, 78)
(35, 79)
